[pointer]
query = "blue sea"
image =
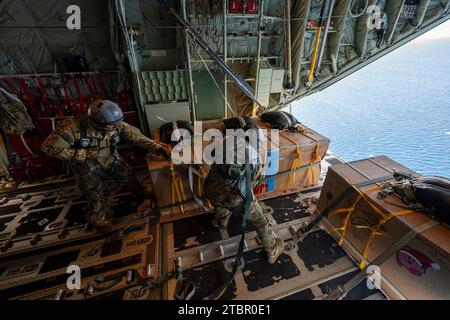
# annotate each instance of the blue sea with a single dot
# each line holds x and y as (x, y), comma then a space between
(398, 106)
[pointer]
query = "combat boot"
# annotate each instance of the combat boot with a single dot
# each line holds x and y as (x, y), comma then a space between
(276, 251)
(137, 198)
(101, 221)
(221, 222)
(106, 229)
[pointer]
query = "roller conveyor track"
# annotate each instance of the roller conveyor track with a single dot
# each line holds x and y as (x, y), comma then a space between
(308, 270)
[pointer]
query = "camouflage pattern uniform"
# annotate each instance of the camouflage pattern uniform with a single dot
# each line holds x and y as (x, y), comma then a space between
(222, 192)
(100, 160)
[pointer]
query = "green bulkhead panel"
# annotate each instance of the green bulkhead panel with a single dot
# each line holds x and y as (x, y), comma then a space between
(162, 59)
(209, 100)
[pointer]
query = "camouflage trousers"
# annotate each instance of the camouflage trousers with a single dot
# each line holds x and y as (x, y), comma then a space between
(90, 184)
(219, 194)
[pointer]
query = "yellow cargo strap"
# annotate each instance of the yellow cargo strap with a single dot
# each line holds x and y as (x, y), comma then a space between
(296, 164)
(315, 157)
(200, 186)
(177, 188)
(202, 170)
(375, 230)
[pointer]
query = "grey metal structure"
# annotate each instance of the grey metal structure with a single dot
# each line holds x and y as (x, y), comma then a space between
(284, 49)
(320, 51)
(245, 38)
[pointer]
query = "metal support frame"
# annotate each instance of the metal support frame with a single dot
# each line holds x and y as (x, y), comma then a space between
(189, 66)
(258, 53)
(324, 39)
(223, 249)
(422, 10)
(244, 86)
(300, 18)
(225, 49)
(134, 65)
(57, 231)
(287, 9)
(316, 43)
(447, 8)
(57, 74)
(353, 68)
(394, 26)
(335, 41)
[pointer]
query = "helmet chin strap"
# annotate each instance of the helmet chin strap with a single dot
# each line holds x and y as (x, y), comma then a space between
(102, 128)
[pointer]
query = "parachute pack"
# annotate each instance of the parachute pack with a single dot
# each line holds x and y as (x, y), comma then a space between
(240, 123)
(280, 120)
(431, 192)
(166, 130)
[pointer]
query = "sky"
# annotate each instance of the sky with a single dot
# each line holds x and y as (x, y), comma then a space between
(441, 31)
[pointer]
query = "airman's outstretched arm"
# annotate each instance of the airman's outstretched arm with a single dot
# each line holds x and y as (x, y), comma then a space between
(134, 136)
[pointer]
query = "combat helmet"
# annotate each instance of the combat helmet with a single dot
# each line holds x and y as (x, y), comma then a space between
(105, 112)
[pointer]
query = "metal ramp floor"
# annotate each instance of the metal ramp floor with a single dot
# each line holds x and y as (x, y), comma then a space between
(43, 231)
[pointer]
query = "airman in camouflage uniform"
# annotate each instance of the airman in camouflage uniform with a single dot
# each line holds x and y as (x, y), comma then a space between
(89, 143)
(225, 188)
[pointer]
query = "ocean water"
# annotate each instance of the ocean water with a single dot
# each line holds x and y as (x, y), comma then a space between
(398, 106)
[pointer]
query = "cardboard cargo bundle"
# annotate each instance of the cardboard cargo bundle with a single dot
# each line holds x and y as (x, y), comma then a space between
(294, 165)
(173, 191)
(411, 249)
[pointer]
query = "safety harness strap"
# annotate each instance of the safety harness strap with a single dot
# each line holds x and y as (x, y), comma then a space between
(198, 199)
(248, 200)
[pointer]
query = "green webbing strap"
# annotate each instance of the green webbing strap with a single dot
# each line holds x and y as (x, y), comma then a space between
(248, 200)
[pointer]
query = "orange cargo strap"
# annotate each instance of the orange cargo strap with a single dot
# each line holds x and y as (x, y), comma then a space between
(177, 188)
(201, 169)
(315, 157)
(374, 229)
(295, 165)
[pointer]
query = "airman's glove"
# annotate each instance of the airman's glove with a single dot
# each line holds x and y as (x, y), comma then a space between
(164, 152)
(79, 155)
(82, 154)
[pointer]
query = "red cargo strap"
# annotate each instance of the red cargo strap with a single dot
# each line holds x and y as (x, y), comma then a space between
(11, 87)
(101, 82)
(91, 85)
(80, 95)
(123, 96)
(66, 95)
(42, 90)
(30, 98)
(88, 85)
